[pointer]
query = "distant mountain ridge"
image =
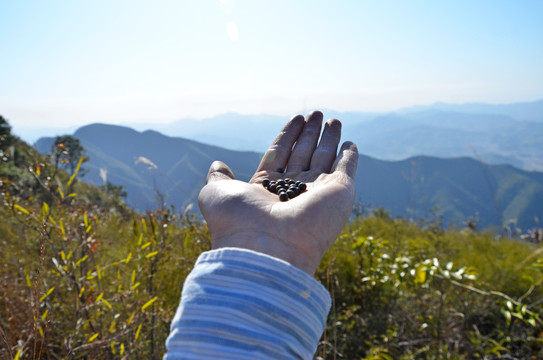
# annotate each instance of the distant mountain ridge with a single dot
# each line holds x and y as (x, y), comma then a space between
(522, 111)
(156, 168)
(497, 134)
(148, 161)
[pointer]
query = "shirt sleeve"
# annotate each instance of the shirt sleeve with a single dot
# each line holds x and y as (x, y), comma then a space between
(241, 304)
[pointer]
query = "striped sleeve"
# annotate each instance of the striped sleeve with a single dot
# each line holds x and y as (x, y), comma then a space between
(240, 304)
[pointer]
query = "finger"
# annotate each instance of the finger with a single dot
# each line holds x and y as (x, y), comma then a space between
(305, 145)
(219, 171)
(279, 152)
(347, 160)
(325, 154)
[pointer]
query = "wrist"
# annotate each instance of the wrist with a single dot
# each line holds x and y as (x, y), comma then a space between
(271, 245)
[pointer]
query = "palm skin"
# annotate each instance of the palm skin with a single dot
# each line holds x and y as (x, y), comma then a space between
(300, 230)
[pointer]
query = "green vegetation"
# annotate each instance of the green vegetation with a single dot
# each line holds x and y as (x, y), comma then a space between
(83, 276)
(406, 291)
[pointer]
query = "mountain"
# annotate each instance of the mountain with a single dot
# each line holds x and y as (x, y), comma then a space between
(495, 139)
(497, 134)
(239, 131)
(461, 188)
(522, 111)
(147, 162)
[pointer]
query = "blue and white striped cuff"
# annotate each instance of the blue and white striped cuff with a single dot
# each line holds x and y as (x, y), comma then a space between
(240, 304)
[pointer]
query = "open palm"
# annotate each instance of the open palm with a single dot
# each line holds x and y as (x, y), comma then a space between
(300, 230)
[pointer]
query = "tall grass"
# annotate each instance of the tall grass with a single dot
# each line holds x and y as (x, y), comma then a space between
(83, 276)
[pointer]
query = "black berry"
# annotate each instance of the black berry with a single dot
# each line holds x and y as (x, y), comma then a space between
(295, 190)
(284, 188)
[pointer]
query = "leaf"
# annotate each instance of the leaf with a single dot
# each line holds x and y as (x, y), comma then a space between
(144, 225)
(76, 170)
(131, 318)
(507, 315)
(135, 286)
(113, 326)
(81, 260)
(91, 339)
(107, 304)
(99, 297)
(420, 275)
(151, 254)
(44, 296)
(509, 305)
(20, 208)
(18, 355)
(27, 279)
(59, 189)
(61, 224)
(44, 210)
(44, 315)
(149, 303)
(128, 258)
(496, 349)
(138, 332)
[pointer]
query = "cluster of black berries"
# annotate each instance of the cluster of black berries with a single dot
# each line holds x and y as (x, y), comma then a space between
(285, 188)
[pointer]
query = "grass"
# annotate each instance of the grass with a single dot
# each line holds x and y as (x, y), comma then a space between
(83, 276)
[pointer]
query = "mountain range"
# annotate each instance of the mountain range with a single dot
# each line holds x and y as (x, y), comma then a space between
(497, 134)
(157, 169)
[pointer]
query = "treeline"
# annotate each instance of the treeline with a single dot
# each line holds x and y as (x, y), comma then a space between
(83, 276)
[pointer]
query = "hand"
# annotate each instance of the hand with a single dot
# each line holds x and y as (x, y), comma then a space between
(302, 229)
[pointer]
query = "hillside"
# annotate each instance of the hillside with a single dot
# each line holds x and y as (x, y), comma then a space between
(145, 162)
(460, 188)
(93, 279)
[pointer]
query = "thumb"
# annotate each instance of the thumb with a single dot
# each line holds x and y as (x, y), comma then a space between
(219, 171)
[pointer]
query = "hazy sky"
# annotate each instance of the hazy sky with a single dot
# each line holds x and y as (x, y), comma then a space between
(74, 62)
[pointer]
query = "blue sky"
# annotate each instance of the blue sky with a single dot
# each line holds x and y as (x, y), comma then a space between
(66, 63)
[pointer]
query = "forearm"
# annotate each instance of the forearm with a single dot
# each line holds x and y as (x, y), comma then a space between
(239, 304)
